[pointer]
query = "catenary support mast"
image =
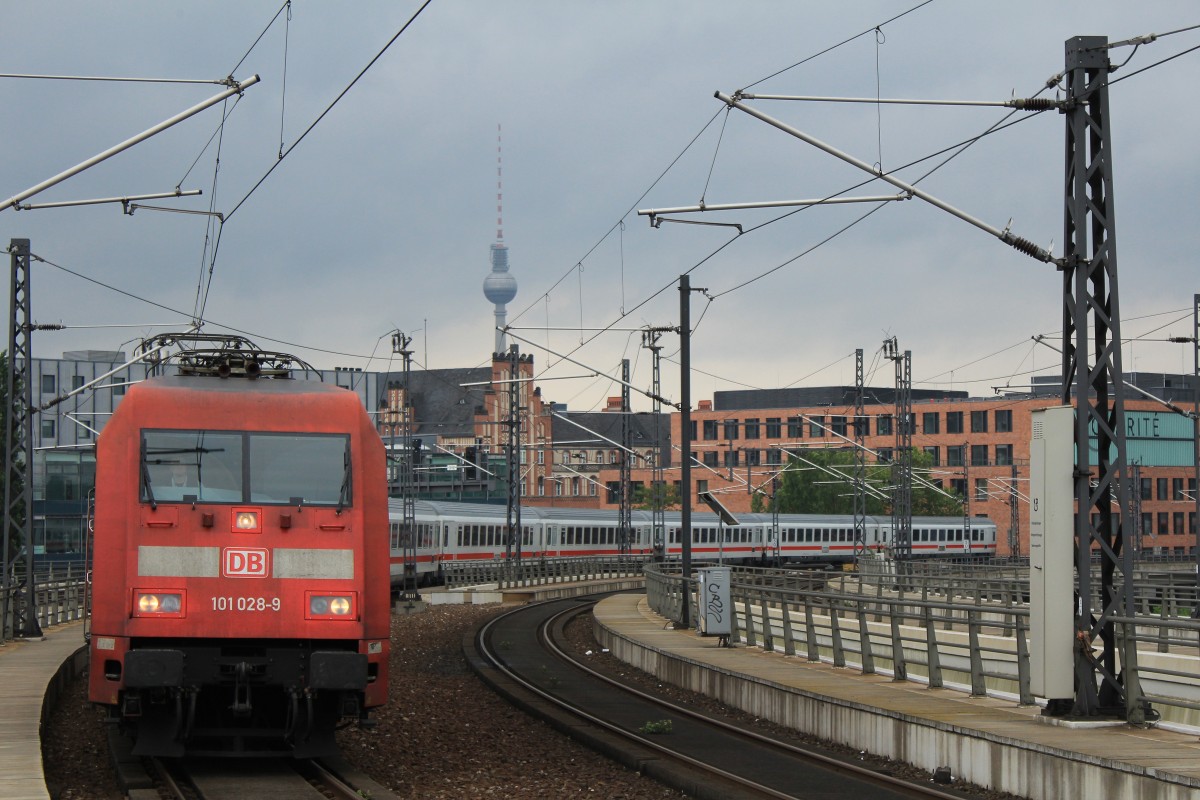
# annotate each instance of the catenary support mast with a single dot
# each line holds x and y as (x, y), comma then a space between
(625, 507)
(408, 489)
(860, 463)
(1092, 373)
(18, 458)
(512, 532)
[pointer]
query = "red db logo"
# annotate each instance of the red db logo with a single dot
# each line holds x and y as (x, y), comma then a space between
(244, 562)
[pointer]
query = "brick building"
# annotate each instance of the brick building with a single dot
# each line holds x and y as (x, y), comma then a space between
(979, 448)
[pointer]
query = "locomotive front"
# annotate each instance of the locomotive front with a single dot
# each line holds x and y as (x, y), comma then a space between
(241, 588)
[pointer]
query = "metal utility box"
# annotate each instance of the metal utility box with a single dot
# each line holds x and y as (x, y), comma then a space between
(1051, 552)
(716, 606)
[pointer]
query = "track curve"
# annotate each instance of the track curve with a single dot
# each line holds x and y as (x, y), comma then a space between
(520, 655)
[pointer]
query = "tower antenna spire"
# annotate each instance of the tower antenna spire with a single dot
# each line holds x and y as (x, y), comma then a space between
(500, 287)
(499, 185)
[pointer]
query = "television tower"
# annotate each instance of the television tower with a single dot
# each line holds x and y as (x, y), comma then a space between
(499, 287)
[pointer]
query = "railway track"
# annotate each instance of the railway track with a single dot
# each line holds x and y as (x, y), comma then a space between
(262, 779)
(521, 655)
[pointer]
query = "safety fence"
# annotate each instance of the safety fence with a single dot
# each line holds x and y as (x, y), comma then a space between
(505, 574)
(59, 595)
(968, 630)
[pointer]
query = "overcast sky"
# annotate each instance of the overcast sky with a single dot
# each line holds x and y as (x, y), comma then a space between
(383, 215)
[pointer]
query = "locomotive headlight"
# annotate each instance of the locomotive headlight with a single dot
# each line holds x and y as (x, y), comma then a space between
(158, 604)
(339, 606)
(247, 520)
(331, 606)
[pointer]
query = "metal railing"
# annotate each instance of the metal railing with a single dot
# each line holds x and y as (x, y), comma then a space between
(541, 571)
(823, 616)
(968, 629)
(59, 595)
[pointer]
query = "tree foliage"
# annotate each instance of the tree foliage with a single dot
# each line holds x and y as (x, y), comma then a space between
(657, 496)
(821, 482)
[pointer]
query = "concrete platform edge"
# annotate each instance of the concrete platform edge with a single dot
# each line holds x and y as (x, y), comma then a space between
(626, 626)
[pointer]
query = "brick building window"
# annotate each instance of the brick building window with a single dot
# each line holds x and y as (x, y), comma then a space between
(1162, 489)
(862, 426)
(710, 430)
(816, 426)
(795, 428)
(1162, 523)
(885, 454)
(931, 422)
(752, 428)
(981, 492)
(710, 458)
(1004, 420)
(954, 422)
(1147, 489)
(1177, 522)
(934, 454)
(883, 425)
(754, 457)
(1004, 455)
(979, 422)
(979, 455)
(731, 458)
(1177, 489)
(773, 457)
(731, 429)
(954, 456)
(773, 429)
(838, 425)
(958, 486)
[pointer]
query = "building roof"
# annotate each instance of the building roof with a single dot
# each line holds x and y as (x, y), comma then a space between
(796, 397)
(607, 424)
(443, 406)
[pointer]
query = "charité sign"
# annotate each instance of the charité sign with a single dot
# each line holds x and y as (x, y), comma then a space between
(1154, 439)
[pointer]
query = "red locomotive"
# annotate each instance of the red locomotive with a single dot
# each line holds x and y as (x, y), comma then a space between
(240, 586)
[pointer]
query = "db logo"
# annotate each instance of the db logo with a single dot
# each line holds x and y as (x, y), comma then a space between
(244, 562)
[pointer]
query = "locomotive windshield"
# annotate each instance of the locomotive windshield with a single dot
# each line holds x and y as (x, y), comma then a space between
(229, 467)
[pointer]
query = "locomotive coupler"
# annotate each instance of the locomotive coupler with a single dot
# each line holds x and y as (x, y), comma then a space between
(241, 706)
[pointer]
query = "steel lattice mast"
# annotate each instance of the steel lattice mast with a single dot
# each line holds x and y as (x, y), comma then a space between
(408, 493)
(18, 455)
(860, 464)
(625, 508)
(512, 538)
(1091, 371)
(902, 465)
(658, 503)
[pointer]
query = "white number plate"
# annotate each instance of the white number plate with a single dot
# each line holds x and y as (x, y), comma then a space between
(235, 603)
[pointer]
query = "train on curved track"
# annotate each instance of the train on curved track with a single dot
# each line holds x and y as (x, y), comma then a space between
(240, 589)
(448, 533)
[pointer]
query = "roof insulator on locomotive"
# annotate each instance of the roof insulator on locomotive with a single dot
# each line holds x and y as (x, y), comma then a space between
(252, 368)
(223, 369)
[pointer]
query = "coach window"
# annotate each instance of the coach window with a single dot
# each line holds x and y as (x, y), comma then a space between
(313, 469)
(203, 465)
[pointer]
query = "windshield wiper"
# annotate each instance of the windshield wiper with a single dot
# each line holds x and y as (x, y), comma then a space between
(146, 481)
(344, 494)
